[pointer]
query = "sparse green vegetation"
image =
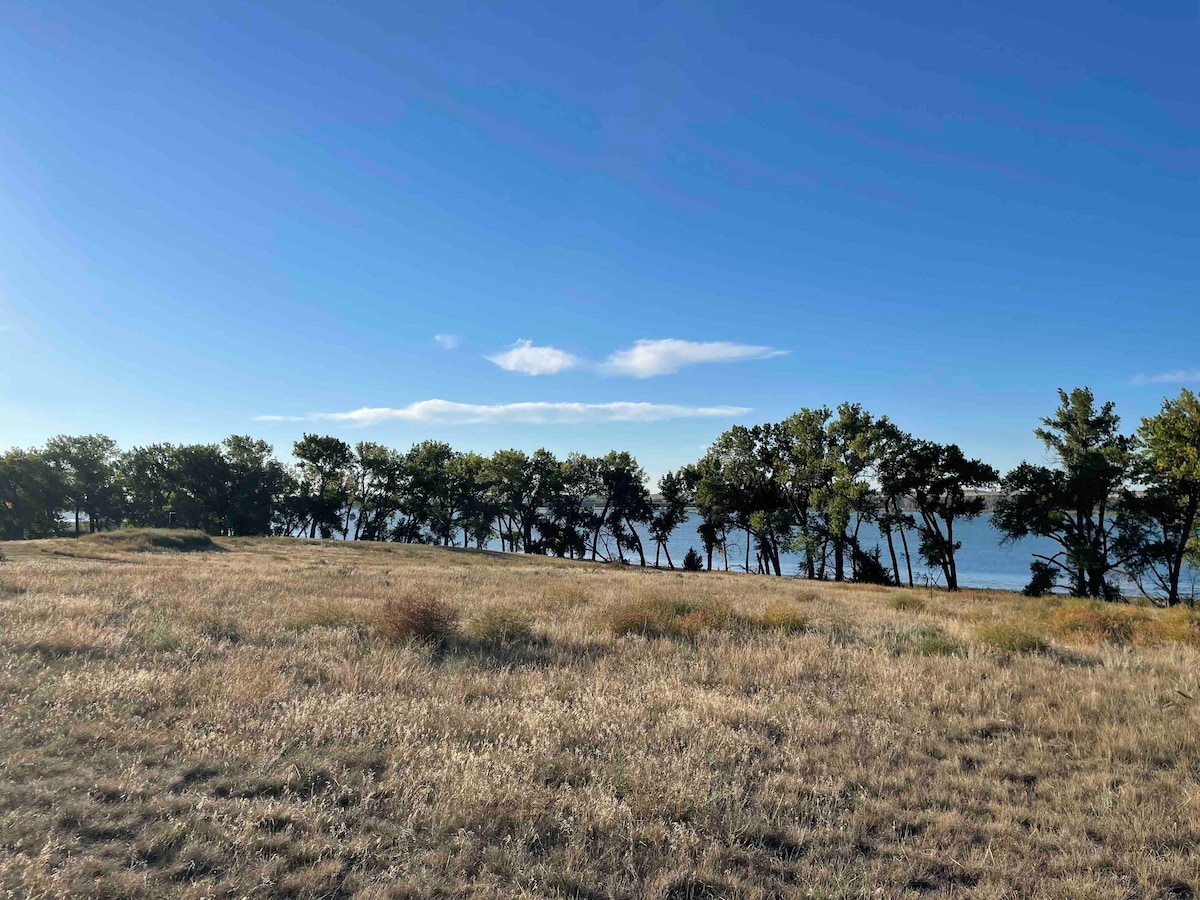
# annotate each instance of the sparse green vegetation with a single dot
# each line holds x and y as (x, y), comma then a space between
(1011, 639)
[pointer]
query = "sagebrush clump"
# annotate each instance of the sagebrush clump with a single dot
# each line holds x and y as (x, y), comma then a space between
(417, 616)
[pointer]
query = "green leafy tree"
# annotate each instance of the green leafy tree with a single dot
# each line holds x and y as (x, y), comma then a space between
(670, 513)
(847, 498)
(807, 476)
(622, 484)
(32, 494)
(568, 519)
(257, 484)
(941, 481)
(323, 464)
(87, 466)
(476, 510)
(893, 449)
(1161, 522)
(1072, 503)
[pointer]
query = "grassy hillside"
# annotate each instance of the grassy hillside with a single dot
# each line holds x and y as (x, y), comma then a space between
(255, 722)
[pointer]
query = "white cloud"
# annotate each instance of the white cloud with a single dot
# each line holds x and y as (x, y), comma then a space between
(450, 413)
(1177, 376)
(447, 341)
(527, 359)
(645, 359)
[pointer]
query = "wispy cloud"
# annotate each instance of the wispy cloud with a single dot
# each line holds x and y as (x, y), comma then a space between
(534, 413)
(1175, 376)
(645, 359)
(447, 341)
(527, 359)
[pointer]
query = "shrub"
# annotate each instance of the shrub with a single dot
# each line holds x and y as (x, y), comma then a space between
(1011, 639)
(906, 602)
(692, 561)
(1042, 579)
(779, 616)
(934, 642)
(649, 616)
(1096, 622)
(159, 638)
(664, 617)
(566, 593)
(416, 616)
(219, 630)
(921, 641)
(1179, 623)
(501, 625)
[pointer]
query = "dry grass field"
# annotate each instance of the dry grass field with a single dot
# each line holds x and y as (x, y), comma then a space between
(255, 720)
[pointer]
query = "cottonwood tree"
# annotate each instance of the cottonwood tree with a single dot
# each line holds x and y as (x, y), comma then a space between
(938, 477)
(1161, 519)
(569, 520)
(87, 467)
(256, 484)
(521, 484)
(627, 504)
(847, 497)
(1072, 503)
(470, 486)
(323, 464)
(32, 494)
(670, 513)
(807, 473)
(893, 447)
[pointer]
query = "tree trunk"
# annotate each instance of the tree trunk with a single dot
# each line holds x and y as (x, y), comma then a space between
(1189, 522)
(892, 552)
(599, 525)
(637, 541)
(951, 567)
(839, 559)
(667, 550)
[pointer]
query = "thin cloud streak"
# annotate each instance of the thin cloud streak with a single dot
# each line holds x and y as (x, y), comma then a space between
(525, 358)
(447, 341)
(1176, 376)
(448, 412)
(646, 358)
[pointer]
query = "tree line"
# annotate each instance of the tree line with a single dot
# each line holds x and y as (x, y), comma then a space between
(1114, 505)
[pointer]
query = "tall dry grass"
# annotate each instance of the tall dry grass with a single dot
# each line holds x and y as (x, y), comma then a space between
(244, 723)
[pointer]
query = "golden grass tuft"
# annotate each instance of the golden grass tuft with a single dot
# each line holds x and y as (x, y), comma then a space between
(1180, 624)
(416, 616)
(782, 616)
(1097, 622)
(1011, 638)
(905, 602)
(501, 624)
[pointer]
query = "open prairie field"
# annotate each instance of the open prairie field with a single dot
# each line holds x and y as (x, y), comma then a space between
(256, 719)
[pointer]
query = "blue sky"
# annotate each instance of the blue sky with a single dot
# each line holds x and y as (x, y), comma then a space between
(213, 213)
